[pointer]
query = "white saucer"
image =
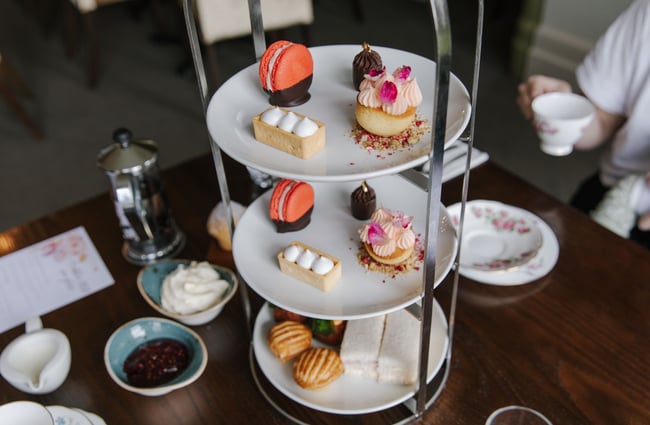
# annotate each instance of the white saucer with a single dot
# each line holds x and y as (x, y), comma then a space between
(66, 416)
(498, 237)
(94, 418)
(540, 265)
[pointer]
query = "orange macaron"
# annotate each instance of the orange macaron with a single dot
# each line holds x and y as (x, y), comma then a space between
(291, 205)
(286, 71)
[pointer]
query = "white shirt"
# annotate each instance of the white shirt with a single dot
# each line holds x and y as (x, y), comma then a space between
(615, 75)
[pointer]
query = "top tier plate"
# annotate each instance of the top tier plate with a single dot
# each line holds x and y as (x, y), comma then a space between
(333, 99)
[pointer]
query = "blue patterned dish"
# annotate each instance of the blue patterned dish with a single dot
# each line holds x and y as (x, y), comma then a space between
(134, 334)
(150, 280)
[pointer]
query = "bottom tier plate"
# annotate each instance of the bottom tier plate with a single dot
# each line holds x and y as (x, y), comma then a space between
(348, 394)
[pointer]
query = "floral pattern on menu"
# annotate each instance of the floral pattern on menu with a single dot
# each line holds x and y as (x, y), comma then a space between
(68, 246)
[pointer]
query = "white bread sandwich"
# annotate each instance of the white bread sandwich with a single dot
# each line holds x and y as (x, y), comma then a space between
(361, 344)
(384, 348)
(398, 356)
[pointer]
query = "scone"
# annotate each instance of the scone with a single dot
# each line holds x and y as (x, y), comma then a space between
(316, 368)
(288, 339)
(386, 103)
(389, 237)
(218, 223)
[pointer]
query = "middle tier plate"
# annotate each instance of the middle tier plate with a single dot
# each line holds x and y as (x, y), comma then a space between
(359, 293)
(333, 98)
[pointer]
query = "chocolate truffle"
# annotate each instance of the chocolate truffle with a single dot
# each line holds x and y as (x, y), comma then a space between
(363, 62)
(363, 201)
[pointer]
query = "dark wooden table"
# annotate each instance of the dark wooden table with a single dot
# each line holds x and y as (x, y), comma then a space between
(574, 345)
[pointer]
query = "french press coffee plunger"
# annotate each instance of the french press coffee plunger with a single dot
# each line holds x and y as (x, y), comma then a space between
(148, 228)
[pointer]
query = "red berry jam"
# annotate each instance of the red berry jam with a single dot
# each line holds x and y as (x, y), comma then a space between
(156, 362)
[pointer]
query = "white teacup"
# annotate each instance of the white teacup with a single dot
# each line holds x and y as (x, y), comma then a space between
(38, 361)
(560, 120)
(25, 413)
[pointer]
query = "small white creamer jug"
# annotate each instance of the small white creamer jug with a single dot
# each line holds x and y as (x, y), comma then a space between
(38, 361)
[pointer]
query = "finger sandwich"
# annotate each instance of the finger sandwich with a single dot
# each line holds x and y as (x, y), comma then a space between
(384, 348)
(361, 344)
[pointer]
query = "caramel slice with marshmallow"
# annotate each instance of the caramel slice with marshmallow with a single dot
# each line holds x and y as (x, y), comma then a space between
(310, 265)
(290, 132)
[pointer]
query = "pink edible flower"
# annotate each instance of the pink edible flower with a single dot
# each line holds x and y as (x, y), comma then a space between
(375, 73)
(402, 73)
(388, 92)
(401, 220)
(376, 235)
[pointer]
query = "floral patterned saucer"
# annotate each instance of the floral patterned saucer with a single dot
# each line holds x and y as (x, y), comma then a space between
(497, 237)
(533, 270)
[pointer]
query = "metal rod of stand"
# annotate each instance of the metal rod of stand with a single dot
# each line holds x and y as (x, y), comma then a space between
(257, 27)
(470, 145)
(190, 24)
(440, 100)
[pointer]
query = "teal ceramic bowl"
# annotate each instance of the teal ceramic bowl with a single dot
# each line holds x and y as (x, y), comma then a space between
(136, 334)
(150, 280)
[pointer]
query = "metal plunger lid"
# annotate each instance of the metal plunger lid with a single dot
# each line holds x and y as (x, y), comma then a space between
(127, 155)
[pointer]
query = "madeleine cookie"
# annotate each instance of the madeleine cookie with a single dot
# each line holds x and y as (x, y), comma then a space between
(316, 368)
(288, 339)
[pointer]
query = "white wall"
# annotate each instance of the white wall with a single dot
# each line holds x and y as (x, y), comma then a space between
(566, 31)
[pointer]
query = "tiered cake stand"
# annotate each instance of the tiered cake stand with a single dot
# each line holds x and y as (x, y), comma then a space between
(334, 175)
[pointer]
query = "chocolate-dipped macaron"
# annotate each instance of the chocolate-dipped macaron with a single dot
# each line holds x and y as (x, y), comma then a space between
(291, 205)
(364, 62)
(363, 201)
(286, 72)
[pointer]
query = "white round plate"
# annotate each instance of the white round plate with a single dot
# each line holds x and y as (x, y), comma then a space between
(333, 98)
(348, 394)
(498, 237)
(534, 269)
(66, 416)
(333, 230)
(94, 418)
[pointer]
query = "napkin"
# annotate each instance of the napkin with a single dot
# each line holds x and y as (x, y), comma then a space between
(453, 164)
(456, 167)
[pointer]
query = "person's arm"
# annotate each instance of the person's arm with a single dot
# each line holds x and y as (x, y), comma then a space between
(599, 130)
(644, 221)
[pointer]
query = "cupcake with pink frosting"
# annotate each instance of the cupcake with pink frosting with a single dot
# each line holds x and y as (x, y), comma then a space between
(389, 237)
(386, 103)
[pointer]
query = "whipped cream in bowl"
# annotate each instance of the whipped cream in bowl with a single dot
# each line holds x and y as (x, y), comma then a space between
(191, 292)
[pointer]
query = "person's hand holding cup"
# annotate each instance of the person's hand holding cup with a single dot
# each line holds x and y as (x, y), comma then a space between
(560, 120)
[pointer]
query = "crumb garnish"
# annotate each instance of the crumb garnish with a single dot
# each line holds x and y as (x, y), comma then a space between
(368, 141)
(412, 263)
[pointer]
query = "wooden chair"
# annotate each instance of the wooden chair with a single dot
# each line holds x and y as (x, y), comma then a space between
(11, 88)
(220, 20)
(86, 10)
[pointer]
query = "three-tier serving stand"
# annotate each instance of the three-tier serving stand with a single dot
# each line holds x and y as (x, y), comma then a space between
(428, 388)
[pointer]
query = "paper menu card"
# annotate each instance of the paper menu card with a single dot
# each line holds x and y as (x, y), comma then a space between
(48, 275)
